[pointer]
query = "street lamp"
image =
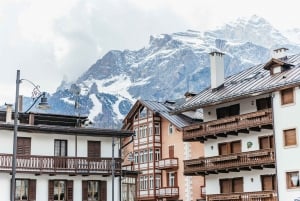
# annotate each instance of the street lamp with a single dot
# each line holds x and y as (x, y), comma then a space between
(36, 95)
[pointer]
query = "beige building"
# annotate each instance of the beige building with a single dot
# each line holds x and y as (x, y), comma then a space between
(157, 152)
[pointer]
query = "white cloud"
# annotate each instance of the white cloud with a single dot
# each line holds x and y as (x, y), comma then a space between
(52, 39)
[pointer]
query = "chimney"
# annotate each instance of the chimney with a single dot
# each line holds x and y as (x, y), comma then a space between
(8, 113)
(216, 69)
(20, 102)
(279, 53)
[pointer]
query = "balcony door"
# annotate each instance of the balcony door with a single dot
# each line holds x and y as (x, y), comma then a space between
(60, 151)
(172, 179)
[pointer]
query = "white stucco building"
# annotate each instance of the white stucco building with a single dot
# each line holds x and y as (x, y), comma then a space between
(58, 161)
(250, 131)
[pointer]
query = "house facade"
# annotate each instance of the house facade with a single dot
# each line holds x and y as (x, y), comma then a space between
(249, 131)
(58, 161)
(157, 153)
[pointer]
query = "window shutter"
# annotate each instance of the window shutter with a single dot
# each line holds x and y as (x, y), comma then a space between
(223, 149)
(171, 151)
(70, 190)
(236, 147)
(267, 182)
(238, 185)
(287, 96)
(226, 185)
(84, 190)
(94, 149)
(103, 190)
(51, 190)
(32, 190)
(176, 182)
(290, 137)
(23, 146)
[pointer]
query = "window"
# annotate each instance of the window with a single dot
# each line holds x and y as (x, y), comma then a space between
(150, 130)
(231, 185)
(157, 128)
(23, 146)
(171, 151)
(145, 156)
(268, 182)
(150, 182)
(136, 157)
(60, 147)
(157, 181)
(287, 96)
(94, 190)
(172, 179)
(150, 155)
(229, 147)
(157, 154)
(170, 129)
(141, 156)
(290, 138)
(263, 103)
(25, 189)
(94, 149)
(292, 179)
(143, 112)
(135, 133)
(228, 111)
(60, 190)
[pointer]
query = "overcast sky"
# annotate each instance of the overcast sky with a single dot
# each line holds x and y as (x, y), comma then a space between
(52, 40)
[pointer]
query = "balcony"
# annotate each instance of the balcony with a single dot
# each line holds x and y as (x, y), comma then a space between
(247, 196)
(259, 159)
(168, 163)
(229, 126)
(59, 165)
(167, 192)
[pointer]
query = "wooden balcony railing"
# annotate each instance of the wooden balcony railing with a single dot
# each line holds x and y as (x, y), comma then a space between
(233, 162)
(247, 196)
(59, 165)
(168, 163)
(234, 124)
(168, 192)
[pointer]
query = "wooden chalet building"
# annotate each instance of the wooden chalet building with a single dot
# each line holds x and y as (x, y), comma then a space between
(157, 152)
(250, 131)
(57, 160)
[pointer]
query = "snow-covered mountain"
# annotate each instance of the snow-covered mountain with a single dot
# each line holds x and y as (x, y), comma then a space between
(166, 68)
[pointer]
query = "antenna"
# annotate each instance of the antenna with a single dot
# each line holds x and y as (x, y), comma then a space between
(75, 89)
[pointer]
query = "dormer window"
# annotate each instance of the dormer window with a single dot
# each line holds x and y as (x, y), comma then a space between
(276, 66)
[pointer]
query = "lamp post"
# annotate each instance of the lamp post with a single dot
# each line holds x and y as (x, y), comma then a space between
(36, 94)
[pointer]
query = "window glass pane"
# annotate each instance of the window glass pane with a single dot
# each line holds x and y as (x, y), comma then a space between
(21, 189)
(93, 191)
(59, 190)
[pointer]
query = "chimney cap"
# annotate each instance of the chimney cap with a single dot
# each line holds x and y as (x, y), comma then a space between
(212, 53)
(281, 48)
(8, 104)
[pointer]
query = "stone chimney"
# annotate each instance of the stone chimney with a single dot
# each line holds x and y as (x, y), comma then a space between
(279, 53)
(216, 69)
(8, 113)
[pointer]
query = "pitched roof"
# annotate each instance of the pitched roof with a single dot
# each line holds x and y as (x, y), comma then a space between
(252, 81)
(163, 109)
